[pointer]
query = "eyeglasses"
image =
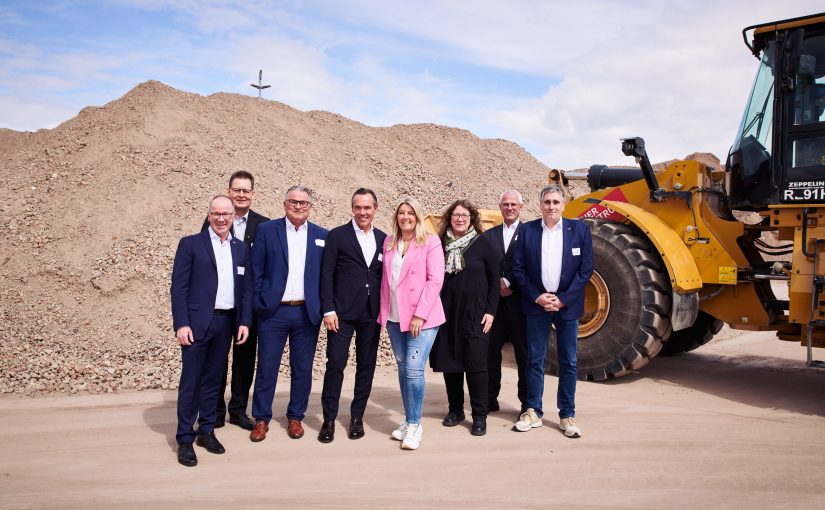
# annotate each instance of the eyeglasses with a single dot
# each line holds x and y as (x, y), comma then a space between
(221, 214)
(461, 216)
(298, 204)
(241, 191)
(509, 205)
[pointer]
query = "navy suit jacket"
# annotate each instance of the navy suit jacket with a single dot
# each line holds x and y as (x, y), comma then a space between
(270, 267)
(576, 267)
(350, 285)
(195, 283)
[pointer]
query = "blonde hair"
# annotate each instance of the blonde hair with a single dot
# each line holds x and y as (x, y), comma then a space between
(420, 230)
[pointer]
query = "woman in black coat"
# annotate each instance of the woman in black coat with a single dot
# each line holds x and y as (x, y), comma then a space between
(470, 298)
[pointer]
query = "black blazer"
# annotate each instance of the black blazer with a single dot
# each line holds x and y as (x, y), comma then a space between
(252, 222)
(349, 285)
(495, 234)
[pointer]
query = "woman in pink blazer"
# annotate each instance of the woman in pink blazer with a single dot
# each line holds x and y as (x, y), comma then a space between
(411, 308)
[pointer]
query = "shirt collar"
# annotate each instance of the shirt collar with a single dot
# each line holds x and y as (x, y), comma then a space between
(513, 226)
(358, 229)
(557, 226)
(289, 225)
(245, 217)
(215, 237)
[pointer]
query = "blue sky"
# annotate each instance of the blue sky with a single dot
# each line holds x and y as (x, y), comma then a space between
(563, 79)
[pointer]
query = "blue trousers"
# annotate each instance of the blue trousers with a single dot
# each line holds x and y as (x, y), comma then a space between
(200, 377)
(411, 354)
(290, 322)
(538, 331)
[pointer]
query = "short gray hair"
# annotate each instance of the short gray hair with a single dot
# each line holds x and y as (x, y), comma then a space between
(514, 192)
(300, 187)
(552, 188)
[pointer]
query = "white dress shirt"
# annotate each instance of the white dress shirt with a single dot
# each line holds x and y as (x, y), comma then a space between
(296, 243)
(366, 241)
(239, 226)
(225, 297)
(397, 262)
(552, 250)
(508, 233)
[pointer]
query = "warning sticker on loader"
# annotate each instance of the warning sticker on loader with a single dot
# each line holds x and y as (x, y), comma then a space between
(727, 275)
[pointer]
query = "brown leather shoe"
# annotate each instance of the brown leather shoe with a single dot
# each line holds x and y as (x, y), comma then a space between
(259, 432)
(295, 430)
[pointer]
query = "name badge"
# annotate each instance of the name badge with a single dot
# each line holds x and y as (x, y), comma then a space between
(241, 270)
(577, 252)
(380, 257)
(320, 242)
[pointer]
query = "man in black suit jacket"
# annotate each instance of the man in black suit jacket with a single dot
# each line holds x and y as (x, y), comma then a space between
(350, 282)
(510, 322)
(244, 226)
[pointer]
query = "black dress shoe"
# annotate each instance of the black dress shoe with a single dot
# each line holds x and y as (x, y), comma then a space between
(479, 426)
(242, 420)
(220, 422)
(210, 442)
(452, 419)
(186, 455)
(493, 406)
(356, 428)
(327, 433)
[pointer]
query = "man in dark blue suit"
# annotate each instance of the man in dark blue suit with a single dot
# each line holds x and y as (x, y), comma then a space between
(350, 285)
(286, 265)
(210, 298)
(552, 265)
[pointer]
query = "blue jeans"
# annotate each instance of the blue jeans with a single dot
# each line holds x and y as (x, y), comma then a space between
(538, 331)
(411, 354)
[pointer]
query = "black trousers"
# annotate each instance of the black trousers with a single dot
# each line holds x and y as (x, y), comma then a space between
(243, 373)
(366, 331)
(512, 326)
(477, 387)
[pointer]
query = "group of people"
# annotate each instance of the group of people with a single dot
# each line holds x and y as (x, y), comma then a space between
(451, 298)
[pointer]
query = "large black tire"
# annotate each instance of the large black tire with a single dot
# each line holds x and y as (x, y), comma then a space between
(638, 319)
(700, 333)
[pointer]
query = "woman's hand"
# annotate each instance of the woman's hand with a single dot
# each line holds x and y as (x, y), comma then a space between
(415, 326)
(487, 322)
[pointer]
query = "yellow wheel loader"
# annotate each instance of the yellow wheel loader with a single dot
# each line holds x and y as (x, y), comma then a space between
(673, 263)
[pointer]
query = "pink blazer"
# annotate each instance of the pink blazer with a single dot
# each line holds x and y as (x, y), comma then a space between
(419, 284)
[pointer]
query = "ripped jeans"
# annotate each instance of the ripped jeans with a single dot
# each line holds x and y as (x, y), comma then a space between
(411, 354)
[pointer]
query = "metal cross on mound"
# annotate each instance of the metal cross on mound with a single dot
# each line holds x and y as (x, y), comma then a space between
(259, 86)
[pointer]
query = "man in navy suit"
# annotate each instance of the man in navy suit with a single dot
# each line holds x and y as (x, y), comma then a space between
(350, 285)
(286, 265)
(244, 226)
(509, 323)
(210, 298)
(552, 265)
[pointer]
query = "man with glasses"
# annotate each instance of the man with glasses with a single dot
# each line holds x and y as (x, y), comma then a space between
(286, 266)
(509, 323)
(211, 301)
(244, 227)
(552, 264)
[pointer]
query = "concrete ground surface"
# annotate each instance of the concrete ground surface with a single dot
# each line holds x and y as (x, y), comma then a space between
(739, 423)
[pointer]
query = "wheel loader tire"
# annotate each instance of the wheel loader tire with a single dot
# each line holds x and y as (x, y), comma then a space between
(688, 339)
(625, 334)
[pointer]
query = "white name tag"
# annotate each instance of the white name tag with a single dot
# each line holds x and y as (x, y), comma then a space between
(241, 270)
(319, 242)
(577, 252)
(380, 257)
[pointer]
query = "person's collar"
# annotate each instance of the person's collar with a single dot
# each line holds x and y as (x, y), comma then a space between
(290, 225)
(215, 237)
(513, 225)
(557, 226)
(245, 216)
(358, 229)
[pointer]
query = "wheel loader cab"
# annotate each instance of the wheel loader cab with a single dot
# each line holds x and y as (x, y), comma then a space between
(778, 156)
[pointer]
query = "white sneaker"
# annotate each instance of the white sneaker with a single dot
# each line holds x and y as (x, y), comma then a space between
(413, 438)
(399, 433)
(528, 420)
(568, 425)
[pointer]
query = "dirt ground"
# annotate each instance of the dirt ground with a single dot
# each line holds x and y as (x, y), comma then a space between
(737, 424)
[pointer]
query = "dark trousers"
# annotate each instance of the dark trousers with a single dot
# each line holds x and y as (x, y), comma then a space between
(366, 332)
(477, 386)
(243, 373)
(508, 326)
(288, 322)
(200, 376)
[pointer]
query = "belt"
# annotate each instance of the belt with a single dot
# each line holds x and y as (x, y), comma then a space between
(297, 302)
(218, 311)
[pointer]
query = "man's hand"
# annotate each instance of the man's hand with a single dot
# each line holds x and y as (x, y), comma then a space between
(184, 335)
(242, 336)
(548, 301)
(504, 290)
(487, 322)
(331, 322)
(415, 326)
